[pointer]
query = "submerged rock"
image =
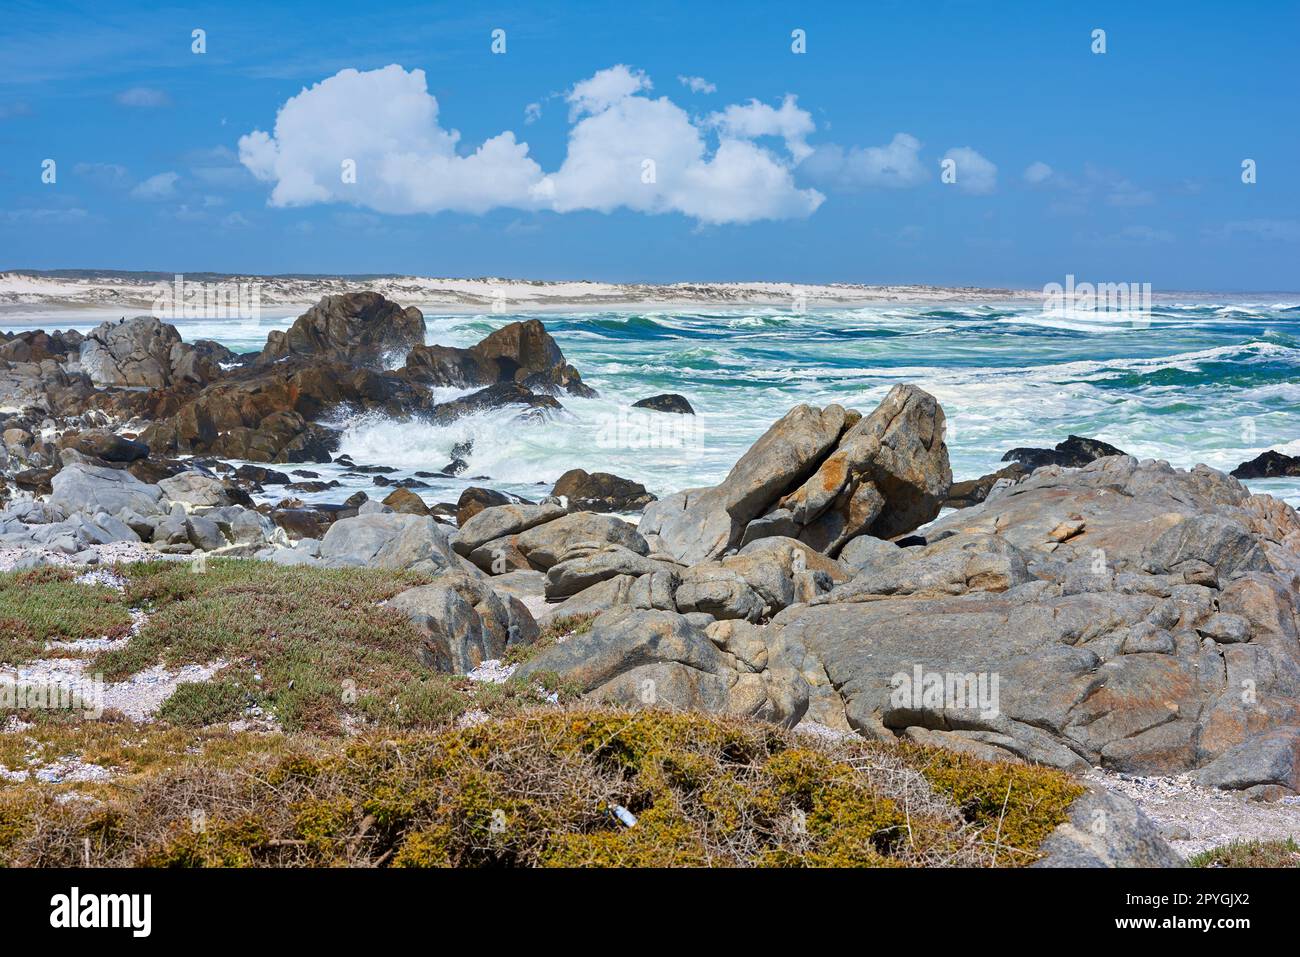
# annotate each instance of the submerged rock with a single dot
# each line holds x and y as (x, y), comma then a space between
(667, 402)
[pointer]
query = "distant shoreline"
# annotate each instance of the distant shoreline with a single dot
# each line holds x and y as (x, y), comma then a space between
(30, 297)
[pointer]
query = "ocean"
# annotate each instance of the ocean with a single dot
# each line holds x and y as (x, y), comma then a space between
(1198, 380)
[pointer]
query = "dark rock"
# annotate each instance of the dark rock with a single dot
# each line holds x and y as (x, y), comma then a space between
(359, 327)
(667, 402)
(522, 353)
(1075, 452)
(35, 480)
(262, 475)
(107, 446)
(1269, 464)
(601, 492)
(474, 499)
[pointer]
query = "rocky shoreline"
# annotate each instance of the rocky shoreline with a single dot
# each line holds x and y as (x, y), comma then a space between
(1078, 608)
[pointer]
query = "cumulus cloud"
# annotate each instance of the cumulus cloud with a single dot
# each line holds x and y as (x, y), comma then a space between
(975, 174)
(626, 149)
(697, 84)
(897, 164)
(532, 112)
(404, 161)
(144, 97)
(161, 186)
(755, 119)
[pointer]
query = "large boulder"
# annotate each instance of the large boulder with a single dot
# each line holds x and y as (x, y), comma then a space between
(80, 487)
(522, 353)
(820, 476)
(357, 327)
(464, 622)
(196, 488)
(1125, 615)
(501, 521)
(1106, 830)
(546, 544)
(387, 540)
(141, 352)
(662, 659)
(700, 524)
(600, 492)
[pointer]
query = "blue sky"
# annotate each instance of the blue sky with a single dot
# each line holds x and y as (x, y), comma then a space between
(1120, 166)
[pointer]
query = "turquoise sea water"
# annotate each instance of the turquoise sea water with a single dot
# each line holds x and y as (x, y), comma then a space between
(1198, 381)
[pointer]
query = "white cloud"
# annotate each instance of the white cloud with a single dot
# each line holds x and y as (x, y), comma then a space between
(625, 150)
(756, 119)
(405, 162)
(157, 187)
(532, 112)
(975, 174)
(1037, 172)
(697, 84)
(144, 97)
(896, 164)
(605, 89)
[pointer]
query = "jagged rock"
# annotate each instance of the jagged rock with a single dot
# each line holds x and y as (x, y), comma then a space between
(358, 327)
(600, 492)
(521, 352)
(141, 352)
(699, 524)
(822, 477)
(888, 475)
(1270, 464)
(667, 402)
(464, 622)
(544, 545)
(1075, 452)
(1123, 641)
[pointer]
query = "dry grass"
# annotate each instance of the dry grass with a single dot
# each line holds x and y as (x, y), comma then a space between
(537, 789)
